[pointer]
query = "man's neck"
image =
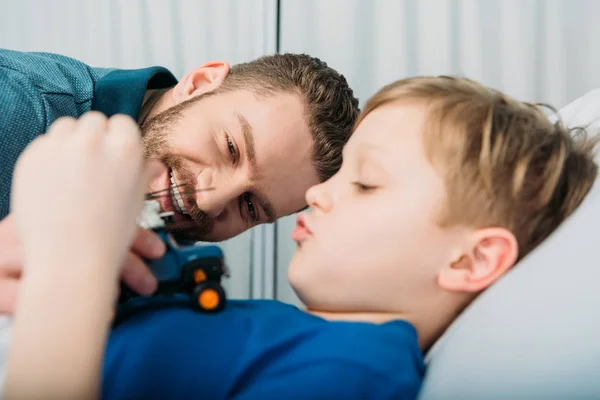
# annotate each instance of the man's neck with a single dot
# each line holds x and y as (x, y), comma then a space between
(155, 102)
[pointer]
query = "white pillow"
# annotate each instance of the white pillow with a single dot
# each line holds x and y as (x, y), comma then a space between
(535, 334)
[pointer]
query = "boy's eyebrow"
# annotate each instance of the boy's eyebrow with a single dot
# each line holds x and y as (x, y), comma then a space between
(369, 152)
(371, 155)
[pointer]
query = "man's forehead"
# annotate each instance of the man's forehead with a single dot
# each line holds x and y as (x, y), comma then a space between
(285, 185)
(279, 139)
(285, 175)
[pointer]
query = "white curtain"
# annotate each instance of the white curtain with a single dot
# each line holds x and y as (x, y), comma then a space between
(535, 50)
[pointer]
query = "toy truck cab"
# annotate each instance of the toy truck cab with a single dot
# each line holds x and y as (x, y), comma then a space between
(194, 270)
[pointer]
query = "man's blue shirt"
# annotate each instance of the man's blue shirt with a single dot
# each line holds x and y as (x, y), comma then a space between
(38, 88)
(259, 349)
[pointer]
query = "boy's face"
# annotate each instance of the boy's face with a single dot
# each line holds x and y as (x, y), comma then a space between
(371, 242)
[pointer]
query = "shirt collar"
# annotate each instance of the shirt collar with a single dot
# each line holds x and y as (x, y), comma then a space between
(122, 91)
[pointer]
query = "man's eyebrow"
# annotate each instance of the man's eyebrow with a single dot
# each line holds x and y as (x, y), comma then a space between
(248, 135)
(267, 207)
(248, 139)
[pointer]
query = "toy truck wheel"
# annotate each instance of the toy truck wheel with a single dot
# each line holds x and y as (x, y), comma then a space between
(208, 297)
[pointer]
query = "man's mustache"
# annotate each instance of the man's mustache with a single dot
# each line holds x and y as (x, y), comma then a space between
(200, 223)
(167, 191)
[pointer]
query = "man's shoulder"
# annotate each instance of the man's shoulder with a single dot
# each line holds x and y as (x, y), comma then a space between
(53, 73)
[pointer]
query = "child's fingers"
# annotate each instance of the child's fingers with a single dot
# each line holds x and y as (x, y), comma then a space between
(152, 170)
(137, 275)
(120, 123)
(125, 132)
(62, 127)
(92, 122)
(8, 294)
(11, 267)
(147, 244)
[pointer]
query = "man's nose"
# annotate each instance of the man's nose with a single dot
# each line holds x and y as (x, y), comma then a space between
(219, 201)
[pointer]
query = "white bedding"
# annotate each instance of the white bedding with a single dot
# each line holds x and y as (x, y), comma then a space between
(5, 329)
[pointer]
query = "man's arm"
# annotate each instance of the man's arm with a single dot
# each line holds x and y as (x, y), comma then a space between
(22, 119)
(35, 90)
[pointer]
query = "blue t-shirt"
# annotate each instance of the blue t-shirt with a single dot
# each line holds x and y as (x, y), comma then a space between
(259, 349)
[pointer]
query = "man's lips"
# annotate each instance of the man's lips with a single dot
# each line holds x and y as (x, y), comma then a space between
(166, 201)
(302, 232)
(166, 204)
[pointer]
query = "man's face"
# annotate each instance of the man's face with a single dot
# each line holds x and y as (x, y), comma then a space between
(238, 160)
(371, 242)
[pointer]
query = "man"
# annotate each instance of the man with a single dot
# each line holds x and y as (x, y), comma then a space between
(242, 143)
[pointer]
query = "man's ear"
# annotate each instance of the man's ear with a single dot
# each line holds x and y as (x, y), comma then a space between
(201, 80)
(488, 255)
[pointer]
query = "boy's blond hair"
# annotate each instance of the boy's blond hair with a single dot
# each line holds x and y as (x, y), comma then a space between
(503, 162)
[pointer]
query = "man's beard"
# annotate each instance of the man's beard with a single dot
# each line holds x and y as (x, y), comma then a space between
(155, 134)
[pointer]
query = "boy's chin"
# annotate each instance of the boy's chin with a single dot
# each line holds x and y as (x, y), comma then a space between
(300, 280)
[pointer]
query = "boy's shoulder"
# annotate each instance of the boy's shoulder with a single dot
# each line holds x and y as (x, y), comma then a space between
(316, 337)
(261, 349)
(333, 358)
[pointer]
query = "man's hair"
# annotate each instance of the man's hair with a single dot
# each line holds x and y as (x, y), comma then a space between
(330, 106)
(502, 160)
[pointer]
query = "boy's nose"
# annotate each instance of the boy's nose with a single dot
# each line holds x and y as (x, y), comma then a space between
(318, 197)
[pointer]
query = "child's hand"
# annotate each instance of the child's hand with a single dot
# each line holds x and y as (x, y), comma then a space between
(78, 189)
(135, 273)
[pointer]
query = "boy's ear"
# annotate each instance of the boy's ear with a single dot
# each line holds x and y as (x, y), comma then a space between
(490, 253)
(201, 80)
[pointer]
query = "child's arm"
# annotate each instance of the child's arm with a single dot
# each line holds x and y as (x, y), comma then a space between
(76, 195)
(61, 323)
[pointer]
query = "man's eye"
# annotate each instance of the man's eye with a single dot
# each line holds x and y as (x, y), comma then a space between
(231, 149)
(251, 209)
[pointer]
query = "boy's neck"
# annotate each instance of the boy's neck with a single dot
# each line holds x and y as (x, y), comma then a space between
(430, 324)
(374, 318)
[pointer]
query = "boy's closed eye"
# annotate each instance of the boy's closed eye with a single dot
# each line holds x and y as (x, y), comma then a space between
(370, 176)
(363, 187)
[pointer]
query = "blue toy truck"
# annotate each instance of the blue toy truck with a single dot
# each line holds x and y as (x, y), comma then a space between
(187, 271)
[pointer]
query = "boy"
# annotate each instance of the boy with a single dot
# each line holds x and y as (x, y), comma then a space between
(444, 186)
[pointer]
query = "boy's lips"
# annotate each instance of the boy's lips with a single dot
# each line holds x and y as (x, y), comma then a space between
(302, 232)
